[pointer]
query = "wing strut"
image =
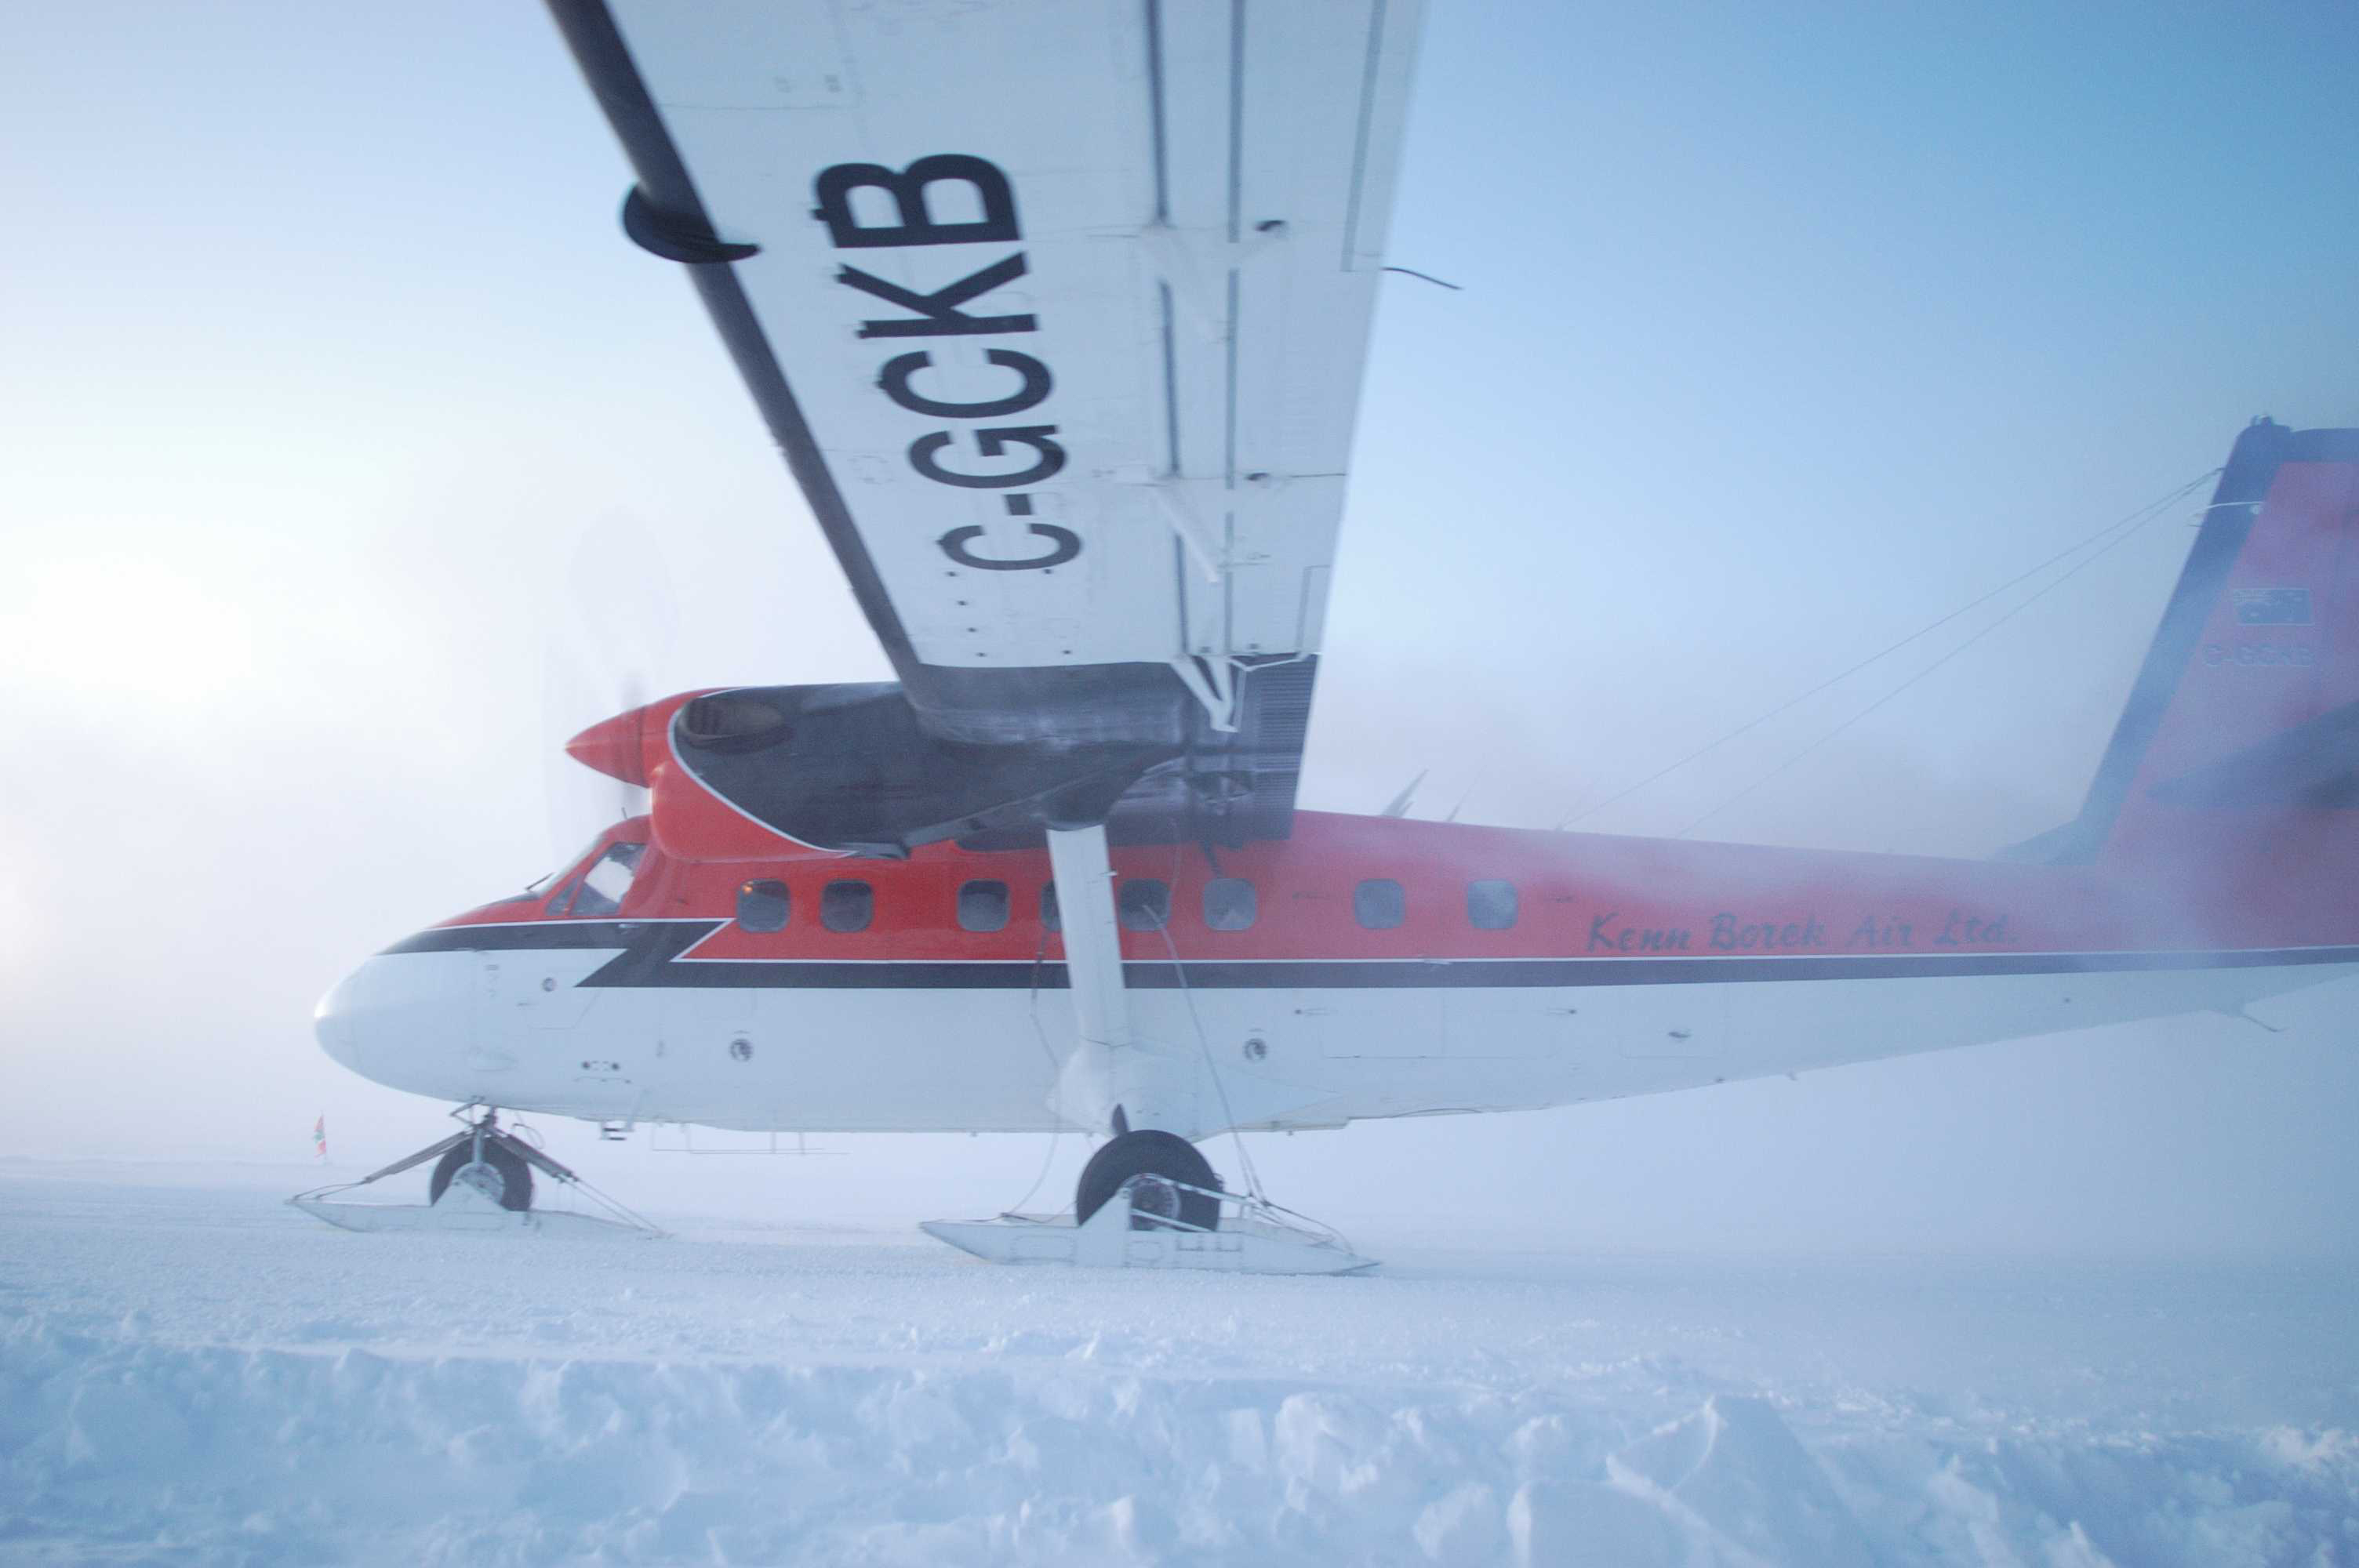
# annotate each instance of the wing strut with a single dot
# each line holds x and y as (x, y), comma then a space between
(1112, 1081)
(1077, 856)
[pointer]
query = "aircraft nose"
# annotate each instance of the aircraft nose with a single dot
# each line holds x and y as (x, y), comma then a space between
(331, 1021)
(401, 1019)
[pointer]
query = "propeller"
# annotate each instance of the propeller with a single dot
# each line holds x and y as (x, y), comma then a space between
(599, 660)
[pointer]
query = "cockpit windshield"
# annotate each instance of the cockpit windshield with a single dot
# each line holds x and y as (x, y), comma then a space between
(598, 891)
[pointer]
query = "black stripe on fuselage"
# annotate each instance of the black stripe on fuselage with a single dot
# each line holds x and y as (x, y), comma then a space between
(650, 955)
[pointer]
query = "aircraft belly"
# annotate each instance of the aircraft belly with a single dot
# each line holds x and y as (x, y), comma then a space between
(1786, 1026)
(928, 1058)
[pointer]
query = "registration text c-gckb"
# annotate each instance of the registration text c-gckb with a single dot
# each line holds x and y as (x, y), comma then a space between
(974, 456)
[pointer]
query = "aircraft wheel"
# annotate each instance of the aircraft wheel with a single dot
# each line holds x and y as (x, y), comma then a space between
(1161, 1158)
(501, 1176)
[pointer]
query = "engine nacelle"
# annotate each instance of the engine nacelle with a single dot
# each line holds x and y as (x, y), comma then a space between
(732, 773)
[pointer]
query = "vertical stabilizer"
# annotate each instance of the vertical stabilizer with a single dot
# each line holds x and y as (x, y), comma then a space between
(2241, 736)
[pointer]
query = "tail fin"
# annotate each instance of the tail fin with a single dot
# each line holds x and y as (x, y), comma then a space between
(2242, 733)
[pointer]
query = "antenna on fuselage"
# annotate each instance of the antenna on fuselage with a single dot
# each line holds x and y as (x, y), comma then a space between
(1399, 806)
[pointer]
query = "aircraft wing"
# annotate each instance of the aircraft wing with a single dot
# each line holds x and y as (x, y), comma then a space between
(1057, 310)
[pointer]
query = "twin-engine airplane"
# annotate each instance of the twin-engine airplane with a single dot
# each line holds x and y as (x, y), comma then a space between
(1057, 310)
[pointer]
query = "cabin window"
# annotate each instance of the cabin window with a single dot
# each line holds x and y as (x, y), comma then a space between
(1490, 905)
(601, 889)
(982, 906)
(1049, 919)
(1380, 904)
(1142, 903)
(1229, 904)
(847, 906)
(762, 905)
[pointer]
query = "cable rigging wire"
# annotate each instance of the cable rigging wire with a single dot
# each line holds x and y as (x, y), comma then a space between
(1040, 962)
(1205, 1045)
(2150, 512)
(2134, 522)
(1204, 1040)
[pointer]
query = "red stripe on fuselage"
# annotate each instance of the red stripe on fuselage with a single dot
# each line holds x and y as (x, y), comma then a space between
(1578, 896)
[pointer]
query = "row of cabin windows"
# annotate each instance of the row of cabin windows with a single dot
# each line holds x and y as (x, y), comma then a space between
(1141, 904)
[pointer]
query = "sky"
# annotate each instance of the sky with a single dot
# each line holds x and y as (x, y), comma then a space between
(339, 421)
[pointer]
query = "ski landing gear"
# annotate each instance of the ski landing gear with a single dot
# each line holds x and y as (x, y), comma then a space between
(1149, 1200)
(1134, 1229)
(481, 1181)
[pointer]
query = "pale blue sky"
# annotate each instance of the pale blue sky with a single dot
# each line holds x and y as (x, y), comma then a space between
(1784, 331)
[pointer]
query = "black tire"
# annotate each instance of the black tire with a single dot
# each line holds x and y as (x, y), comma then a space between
(515, 1176)
(1150, 1153)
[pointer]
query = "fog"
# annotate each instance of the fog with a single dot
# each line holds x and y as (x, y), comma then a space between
(1780, 335)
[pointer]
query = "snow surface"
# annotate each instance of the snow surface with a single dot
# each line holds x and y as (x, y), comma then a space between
(194, 1373)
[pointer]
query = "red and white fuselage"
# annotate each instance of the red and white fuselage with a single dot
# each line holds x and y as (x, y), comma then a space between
(1615, 966)
(699, 966)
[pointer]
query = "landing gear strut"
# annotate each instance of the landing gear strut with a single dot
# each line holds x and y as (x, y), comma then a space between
(486, 1161)
(1148, 1178)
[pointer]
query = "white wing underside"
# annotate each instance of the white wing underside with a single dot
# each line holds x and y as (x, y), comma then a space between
(1197, 194)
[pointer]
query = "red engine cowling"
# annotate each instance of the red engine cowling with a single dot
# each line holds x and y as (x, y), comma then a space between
(690, 821)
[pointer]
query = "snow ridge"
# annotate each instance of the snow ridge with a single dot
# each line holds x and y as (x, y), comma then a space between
(260, 1392)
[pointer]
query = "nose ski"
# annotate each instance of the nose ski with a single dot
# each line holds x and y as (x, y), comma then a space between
(482, 1182)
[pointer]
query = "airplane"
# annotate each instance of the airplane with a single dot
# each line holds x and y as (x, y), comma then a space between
(1058, 312)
